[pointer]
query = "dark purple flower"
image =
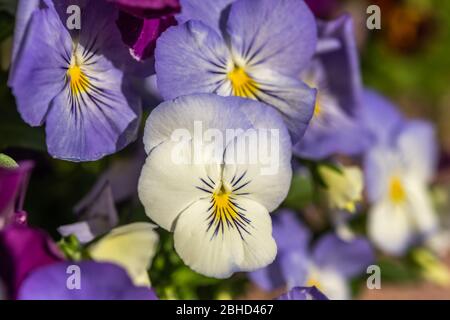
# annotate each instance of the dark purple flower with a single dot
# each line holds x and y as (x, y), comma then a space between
(303, 293)
(328, 265)
(149, 8)
(74, 80)
(97, 281)
(22, 251)
(141, 22)
(13, 185)
(336, 127)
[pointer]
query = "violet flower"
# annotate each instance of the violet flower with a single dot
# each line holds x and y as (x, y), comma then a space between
(328, 265)
(141, 22)
(252, 49)
(303, 293)
(98, 281)
(398, 170)
(73, 80)
(336, 127)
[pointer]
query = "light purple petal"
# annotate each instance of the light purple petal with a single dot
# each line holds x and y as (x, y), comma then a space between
(268, 278)
(303, 293)
(341, 65)
(98, 281)
(25, 9)
(276, 35)
(381, 117)
(39, 73)
(349, 258)
(291, 263)
(288, 232)
(210, 12)
(190, 58)
(100, 125)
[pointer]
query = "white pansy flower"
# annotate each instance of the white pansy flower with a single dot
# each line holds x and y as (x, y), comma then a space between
(216, 196)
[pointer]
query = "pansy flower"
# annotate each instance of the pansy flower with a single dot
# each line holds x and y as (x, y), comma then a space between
(200, 182)
(328, 265)
(97, 281)
(73, 80)
(336, 127)
(398, 171)
(251, 49)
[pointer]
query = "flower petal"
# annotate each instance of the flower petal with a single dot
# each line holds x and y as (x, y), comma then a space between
(276, 35)
(290, 96)
(35, 86)
(94, 124)
(208, 11)
(390, 227)
(131, 246)
(191, 58)
(220, 252)
(258, 166)
(98, 281)
(349, 258)
(418, 147)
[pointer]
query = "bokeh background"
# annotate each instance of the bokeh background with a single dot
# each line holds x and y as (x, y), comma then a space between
(408, 60)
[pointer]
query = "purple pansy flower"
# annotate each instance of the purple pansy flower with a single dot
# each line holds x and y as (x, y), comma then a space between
(252, 49)
(22, 250)
(328, 266)
(336, 125)
(398, 170)
(72, 80)
(13, 185)
(303, 293)
(141, 22)
(98, 281)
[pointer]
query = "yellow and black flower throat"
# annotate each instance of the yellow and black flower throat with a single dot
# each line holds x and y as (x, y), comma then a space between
(82, 83)
(224, 211)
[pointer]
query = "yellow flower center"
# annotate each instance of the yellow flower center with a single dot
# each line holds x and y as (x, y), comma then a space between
(79, 83)
(243, 85)
(224, 208)
(397, 192)
(317, 108)
(313, 282)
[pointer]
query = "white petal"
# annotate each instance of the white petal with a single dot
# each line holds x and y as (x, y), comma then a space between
(333, 285)
(166, 187)
(422, 211)
(262, 171)
(211, 255)
(260, 248)
(131, 246)
(417, 146)
(219, 252)
(390, 227)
